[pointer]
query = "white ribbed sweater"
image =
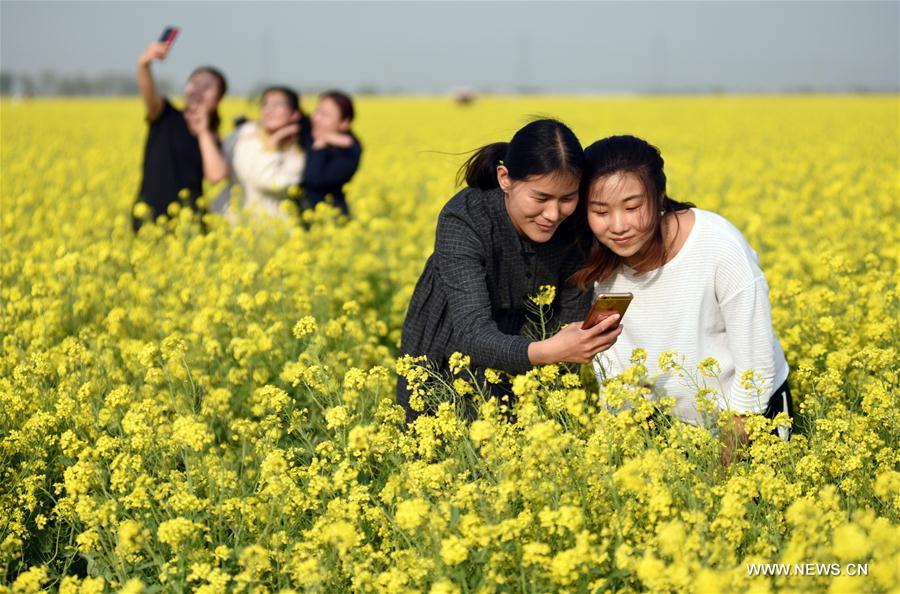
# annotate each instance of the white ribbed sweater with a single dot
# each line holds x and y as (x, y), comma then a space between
(710, 300)
(264, 174)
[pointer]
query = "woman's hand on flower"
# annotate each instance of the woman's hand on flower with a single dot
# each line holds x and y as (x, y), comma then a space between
(734, 437)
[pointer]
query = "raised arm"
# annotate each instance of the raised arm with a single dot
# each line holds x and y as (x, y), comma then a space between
(153, 103)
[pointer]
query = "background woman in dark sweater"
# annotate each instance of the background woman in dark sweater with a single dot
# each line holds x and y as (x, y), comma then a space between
(333, 152)
(497, 242)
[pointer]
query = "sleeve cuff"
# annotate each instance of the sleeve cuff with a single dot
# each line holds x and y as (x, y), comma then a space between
(517, 354)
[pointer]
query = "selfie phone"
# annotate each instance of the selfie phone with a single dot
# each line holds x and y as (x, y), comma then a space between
(168, 36)
(605, 305)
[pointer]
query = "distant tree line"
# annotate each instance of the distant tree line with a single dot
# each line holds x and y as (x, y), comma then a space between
(49, 82)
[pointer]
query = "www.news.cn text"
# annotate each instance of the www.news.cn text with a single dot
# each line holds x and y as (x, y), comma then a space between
(807, 569)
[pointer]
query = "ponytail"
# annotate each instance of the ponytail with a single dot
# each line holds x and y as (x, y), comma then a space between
(539, 148)
(480, 170)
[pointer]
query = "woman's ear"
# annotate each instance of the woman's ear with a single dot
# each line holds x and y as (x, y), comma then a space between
(344, 126)
(503, 178)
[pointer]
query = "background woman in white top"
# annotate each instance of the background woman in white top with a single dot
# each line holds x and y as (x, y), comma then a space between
(265, 158)
(697, 284)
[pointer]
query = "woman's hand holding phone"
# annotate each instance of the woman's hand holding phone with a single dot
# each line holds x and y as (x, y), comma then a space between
(157, 50)
(573, 344)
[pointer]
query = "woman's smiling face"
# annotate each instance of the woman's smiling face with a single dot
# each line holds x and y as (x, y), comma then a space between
(276, 111)
(202, 89)
(619, 214)
(327, 118)
(538, 204)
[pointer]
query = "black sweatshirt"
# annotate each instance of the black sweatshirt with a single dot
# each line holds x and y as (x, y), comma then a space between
(327, 170)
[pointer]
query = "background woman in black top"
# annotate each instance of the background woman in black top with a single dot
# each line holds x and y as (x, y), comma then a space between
(333, 151)
(182, 146)
(497, 242)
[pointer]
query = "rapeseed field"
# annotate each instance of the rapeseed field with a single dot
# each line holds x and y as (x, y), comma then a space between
(213, 410)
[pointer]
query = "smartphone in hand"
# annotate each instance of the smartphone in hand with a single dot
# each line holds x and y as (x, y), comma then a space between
(605, 305)
(168, 36)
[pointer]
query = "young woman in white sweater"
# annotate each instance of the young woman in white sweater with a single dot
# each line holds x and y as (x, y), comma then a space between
(266, 157)
(697, 285)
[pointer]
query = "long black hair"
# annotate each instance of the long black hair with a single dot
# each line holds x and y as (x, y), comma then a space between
(540, 147)
(623, 154)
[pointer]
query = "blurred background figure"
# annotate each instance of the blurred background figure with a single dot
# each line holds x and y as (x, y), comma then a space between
(333, 152)
(265, 158)
(464, 95)
(182, 146)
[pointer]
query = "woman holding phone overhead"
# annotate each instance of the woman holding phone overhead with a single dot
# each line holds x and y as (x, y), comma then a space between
(497, 242)
(698, 287)
(182, 145)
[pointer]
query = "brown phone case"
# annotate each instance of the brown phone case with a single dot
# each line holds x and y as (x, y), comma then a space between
(605, 305)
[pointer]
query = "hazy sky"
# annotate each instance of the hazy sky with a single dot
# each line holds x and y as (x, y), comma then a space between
(433, 46)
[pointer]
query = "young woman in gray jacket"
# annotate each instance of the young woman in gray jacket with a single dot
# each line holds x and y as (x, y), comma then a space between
(497, 242)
